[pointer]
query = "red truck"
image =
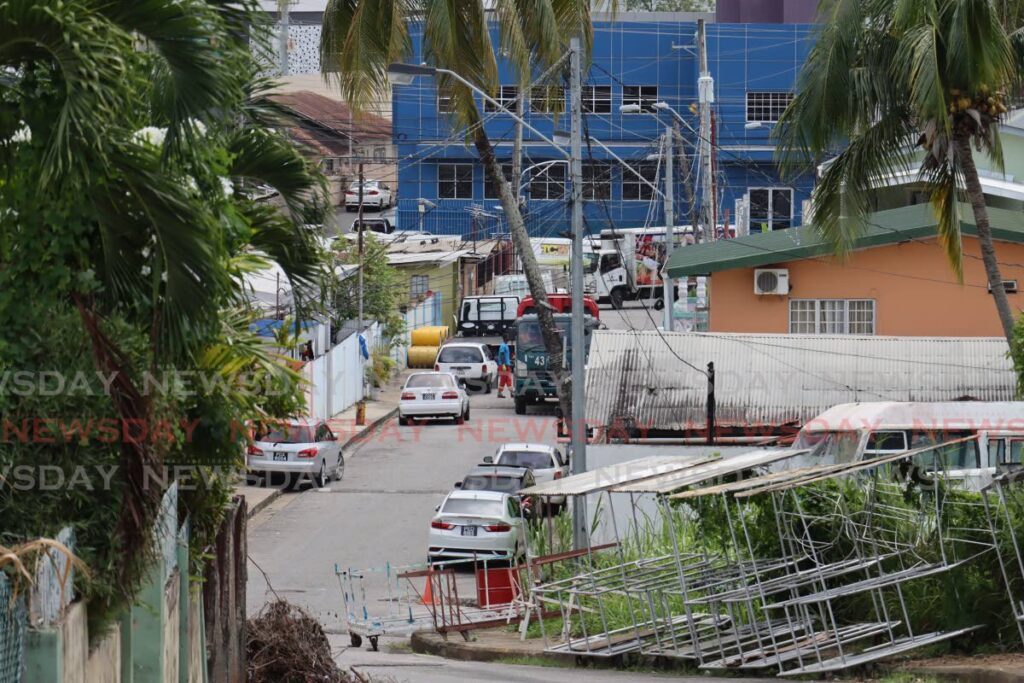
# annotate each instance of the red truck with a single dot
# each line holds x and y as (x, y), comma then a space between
(560, 303)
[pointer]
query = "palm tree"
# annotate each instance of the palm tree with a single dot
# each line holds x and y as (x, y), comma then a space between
(127, 127)
(362, 37)
(898, 80)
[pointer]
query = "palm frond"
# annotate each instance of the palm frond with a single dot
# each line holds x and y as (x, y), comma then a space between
(943, 181)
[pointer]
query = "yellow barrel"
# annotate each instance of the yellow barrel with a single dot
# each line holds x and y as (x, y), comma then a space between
(422, 356)
(430, 336)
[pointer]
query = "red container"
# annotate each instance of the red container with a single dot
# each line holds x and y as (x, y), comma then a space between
(496, 586)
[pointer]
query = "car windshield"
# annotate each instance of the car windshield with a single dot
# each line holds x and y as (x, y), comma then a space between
(290, 434)
(429, 380)
(469, 506)
(459, 354)
(535, 460)
(492, 482)
(832, 447)
(590, 262)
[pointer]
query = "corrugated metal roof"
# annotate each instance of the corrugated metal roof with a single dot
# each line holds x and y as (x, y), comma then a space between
(602, 478)
(642, 380)
(698, 472)
(779, 246)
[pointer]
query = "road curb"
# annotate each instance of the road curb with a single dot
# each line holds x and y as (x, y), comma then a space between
(369, 428)
(252, 510)
(429, 642)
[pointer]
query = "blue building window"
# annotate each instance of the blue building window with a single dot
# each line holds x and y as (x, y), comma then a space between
(445, 101)
(597, 99)
(643, 95)
(597, 181)
(455, 181)
(548, 183)
(547, 99)
(491, 189)
(767, 107)
(506, 97)
(635, 189)
(771, 208)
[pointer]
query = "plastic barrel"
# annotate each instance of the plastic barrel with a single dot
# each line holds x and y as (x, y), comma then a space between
(422, 356)
(430, 336)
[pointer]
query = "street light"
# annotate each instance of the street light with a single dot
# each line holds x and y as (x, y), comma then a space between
(405, 74)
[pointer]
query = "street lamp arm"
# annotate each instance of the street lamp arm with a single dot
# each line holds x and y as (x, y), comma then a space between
(632, 170)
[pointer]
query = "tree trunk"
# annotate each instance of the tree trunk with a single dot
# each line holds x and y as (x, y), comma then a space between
(988, 250)
(521, 240)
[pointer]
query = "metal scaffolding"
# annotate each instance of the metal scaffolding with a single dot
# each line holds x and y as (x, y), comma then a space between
(823, 593)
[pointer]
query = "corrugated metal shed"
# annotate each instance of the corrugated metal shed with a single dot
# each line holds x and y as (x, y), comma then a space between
(656, 381)
(601, 478)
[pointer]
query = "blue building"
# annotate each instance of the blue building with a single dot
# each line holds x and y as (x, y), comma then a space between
(640, 58)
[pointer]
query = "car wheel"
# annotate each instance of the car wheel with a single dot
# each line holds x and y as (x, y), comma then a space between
(520, 405)
(659, 304)
(617, 298)
(339, 471)
(461, 419)
(320, 480)
(466, 416)
(402, 420)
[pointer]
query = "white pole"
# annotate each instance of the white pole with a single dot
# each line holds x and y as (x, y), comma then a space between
(578, 417)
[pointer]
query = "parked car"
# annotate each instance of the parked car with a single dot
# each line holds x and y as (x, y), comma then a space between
(375, 193)
(472, 363)
(476, 524)
(502, 478)
(301, 448)
(433, 394)
(546, 462)
(379, 225)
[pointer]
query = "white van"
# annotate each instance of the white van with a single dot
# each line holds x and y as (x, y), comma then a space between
(861, 431)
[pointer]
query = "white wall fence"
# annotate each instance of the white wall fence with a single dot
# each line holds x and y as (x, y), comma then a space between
(336, 379)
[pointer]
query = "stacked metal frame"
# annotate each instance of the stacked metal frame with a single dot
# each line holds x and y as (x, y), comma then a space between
(737, 606)
(1003, 499)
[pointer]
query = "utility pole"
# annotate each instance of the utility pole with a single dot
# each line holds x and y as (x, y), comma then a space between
(670, 229)
(359, 226)
(705, 98)
(285, 14)
(577, 420)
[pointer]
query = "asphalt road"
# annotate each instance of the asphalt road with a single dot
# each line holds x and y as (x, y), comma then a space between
(380, 512)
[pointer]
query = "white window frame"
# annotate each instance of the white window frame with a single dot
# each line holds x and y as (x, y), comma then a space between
(506, 97)
(596, 99)
(547, 99)
(445, 104)
(886, 451)
(766, 106)
(419, 285)
(454, 181)
(645, 101)
(542, 178)
(770, 221)
(823, 316)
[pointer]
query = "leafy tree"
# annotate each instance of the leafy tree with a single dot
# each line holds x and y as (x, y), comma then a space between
(131, 135)
(380, 288)
(898, 81)
(361, 38)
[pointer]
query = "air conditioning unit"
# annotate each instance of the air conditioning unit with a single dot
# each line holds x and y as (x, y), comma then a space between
(771, 281)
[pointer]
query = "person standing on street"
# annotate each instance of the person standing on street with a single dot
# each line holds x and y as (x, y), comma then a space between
(504, 369)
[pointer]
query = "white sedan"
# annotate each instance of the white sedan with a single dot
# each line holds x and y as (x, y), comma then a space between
(301, 448)
(375, 193)
(476, 524)
(471, 362)
(433, 394)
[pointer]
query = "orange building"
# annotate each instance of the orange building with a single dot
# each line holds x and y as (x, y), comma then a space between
(895, 281)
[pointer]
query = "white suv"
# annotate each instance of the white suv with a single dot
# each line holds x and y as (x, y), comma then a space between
(471, 362)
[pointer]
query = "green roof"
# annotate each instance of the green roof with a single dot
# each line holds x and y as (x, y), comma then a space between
(883, 227)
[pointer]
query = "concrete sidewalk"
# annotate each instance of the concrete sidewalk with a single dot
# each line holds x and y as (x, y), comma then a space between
(378, 411)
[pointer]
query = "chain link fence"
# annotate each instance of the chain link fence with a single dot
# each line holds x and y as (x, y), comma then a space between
(13, 622)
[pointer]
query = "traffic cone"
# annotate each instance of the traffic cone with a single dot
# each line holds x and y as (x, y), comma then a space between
(428, 590)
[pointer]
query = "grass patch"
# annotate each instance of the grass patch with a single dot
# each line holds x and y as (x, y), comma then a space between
(532, 660)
